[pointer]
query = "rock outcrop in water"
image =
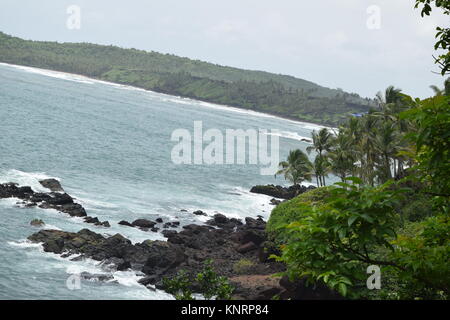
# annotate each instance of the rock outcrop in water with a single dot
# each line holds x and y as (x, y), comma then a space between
(239, 250)
(52, 184)
(48, 200)
(281, 192)
(227, 242)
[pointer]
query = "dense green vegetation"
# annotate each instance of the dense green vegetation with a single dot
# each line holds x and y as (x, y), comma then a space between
(390, 212)
(391, 209)
(208, 283)
(254, 90)
(442, 33)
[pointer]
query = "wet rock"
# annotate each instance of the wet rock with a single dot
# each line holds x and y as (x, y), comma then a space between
(40, 197)
(52, 184)
(115, 264)
(97, 277)
(220, 218)
(199, 213)
(281, 192)
(143, 223)
(105, 224)
(148, 280)
(74, 210)
(275, 202)
(78, 258)
(159, 220)
(168, 233)
(59, 199)
(125, 223)
(162, 255)
(91, 220)
(37, 223)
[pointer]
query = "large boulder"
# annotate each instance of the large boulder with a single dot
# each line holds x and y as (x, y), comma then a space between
(52, 184)
(279, 191)
(37, 223)
(125, 223)
(162, 256)
(73, 209)
(143, 223)
(59, 199)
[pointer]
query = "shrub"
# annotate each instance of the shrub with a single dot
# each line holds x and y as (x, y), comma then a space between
(357, 226)
(210, 285)
(243, 266)
(292, 210)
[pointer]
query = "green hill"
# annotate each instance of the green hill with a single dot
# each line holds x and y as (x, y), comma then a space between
(281, 95)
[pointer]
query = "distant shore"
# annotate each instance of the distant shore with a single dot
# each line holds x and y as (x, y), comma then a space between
(208, 104)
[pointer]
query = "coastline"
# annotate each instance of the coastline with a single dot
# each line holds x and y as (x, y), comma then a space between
(201, 103)
(238, 248)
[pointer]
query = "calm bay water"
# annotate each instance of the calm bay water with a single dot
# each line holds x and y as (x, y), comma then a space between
(110, 147)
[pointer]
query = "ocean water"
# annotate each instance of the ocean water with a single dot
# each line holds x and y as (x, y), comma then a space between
(110, 147)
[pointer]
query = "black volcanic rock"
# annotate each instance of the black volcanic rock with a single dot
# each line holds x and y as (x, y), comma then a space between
(125, 223)
(199, 213)
(52, 184)
(281, 192)
(143, 223)
(186, 250)
(61, 202)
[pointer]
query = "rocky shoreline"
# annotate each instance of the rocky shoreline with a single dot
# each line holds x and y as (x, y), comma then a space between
(239, 250)
(281, 192)
(55, 199)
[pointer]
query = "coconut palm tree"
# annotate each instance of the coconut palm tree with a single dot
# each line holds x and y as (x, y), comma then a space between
(342, 156)
(389, 103)
(442, 92)
(386, 144)
(366, 147)
(297, 168)
(322, 142)
(321, 167)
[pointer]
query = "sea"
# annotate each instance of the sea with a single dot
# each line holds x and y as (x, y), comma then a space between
(111, 147)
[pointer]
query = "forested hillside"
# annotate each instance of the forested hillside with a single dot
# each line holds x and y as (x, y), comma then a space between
(255, 90)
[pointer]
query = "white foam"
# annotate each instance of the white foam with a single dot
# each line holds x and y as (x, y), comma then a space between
(25, 244)
(88, 201)
(290, 135)
(53, 74)
(161, 96)
(25, 179)
(50, 227)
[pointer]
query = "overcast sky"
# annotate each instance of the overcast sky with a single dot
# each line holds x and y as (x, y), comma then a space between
(324, 41)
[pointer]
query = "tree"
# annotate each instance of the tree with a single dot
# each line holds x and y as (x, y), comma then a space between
(357, 226)
(432, 143)
(386, 145)
(342, 155)
(320, 167)
(442, 92)
(442, 33)
(297, 168)
(322, 142)
(366, 147)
